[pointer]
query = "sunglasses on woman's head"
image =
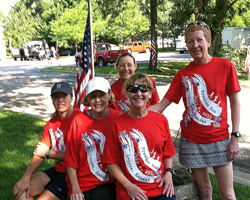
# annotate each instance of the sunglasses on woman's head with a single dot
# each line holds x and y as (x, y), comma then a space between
(135, 88)
(199, 23)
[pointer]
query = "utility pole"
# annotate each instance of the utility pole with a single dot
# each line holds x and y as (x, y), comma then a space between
(167, 31)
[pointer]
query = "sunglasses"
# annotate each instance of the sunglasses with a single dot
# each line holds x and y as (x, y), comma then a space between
(199, 23)
(135, 88)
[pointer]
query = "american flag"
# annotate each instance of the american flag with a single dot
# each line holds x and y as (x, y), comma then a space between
(247, 61)
(57, 46)
(84, 70)
(153, 48)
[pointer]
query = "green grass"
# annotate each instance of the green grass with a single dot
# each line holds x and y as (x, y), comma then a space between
(165, 70)
(241, 191)
(19, 135)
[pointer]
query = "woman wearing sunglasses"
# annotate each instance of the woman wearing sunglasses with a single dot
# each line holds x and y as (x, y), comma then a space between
(139, 149)
(126, 66)
(204, 86)
(87, 174)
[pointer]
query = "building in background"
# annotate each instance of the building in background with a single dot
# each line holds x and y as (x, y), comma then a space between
(236, 37)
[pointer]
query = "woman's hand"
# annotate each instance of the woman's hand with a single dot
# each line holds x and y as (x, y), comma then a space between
(23, 185)
(135, 193)
(41, 150)
(78, 196)
(168, 184)
(232, 148)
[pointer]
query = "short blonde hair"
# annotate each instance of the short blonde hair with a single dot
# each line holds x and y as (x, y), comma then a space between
(111, 100)
(194, 27)
(121, 56)
(142, 77)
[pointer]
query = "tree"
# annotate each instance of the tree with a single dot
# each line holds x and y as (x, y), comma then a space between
(128, 23)
(70, 26)
(19, 26)
(153, 15)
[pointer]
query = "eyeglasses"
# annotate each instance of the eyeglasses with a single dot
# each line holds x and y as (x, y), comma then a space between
(200, 23)
(135, 88)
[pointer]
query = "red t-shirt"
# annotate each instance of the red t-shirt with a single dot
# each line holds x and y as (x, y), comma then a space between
(204, 89)
(54, 136)
(122, 103)
(85, 143)
(139, 146)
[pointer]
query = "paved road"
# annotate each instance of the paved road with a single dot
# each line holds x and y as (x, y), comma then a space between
(25, 87)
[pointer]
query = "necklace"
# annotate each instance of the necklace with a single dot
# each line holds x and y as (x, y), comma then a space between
(97, 117)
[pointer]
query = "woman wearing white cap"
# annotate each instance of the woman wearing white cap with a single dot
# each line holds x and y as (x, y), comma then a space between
(87, 176)
(50, 183)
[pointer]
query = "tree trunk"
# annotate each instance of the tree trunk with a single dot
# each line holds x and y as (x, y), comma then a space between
(153, 16)
(201, 10)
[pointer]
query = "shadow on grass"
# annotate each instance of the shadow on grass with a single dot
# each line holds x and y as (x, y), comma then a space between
(19, 135)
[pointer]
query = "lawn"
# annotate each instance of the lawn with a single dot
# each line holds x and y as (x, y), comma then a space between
(165, 70)
(19, 135)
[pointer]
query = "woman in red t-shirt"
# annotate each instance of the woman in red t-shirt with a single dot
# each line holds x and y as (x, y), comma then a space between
(204, 86)
(126, 65)
(50, 183)
(87, 175)
(139, 149)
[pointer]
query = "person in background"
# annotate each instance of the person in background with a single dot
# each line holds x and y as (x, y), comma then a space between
(139, 149)
(50, 183)
(87, 174)
(204, 86)
(126, 66)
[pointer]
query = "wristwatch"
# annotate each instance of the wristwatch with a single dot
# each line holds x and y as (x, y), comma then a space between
(170, 170)
(48, 154)
(236, 134)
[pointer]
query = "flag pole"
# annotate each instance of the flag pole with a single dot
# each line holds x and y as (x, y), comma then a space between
(91, 40)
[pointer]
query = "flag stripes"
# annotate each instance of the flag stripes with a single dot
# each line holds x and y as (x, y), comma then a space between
(247, 61)
(153, 48)
(84, 70)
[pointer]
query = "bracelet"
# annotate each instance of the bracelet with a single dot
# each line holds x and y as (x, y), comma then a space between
(170, 170)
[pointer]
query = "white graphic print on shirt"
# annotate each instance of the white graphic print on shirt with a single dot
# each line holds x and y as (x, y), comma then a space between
(93, 155)
(57, 136)
(196, 85)
(130, 157)
(124, 106)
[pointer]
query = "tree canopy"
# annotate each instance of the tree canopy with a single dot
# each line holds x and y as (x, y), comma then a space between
(119, 21)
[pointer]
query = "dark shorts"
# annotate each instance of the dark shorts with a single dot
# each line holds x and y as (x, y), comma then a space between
(162, 197)
(57, 184)
(101, 192)
(192, 155)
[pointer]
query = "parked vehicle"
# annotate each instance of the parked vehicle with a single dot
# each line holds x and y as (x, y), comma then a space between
(35, 49)
(181, 46)
(20, 53)
(173, 44)
(137, 46)
(104, 53)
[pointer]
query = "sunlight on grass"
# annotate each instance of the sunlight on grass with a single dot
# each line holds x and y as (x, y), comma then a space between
(165, 70)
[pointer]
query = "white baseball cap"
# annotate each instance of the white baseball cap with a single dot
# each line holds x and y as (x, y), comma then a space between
(97, 83)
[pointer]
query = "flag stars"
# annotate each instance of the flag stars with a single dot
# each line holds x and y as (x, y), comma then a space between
(124, 146)
(185, 79)
(87, 148)
(217, 119)
(123, 134)
(85, 136)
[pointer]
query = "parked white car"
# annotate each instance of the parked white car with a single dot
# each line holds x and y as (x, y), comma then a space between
(181, 46)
